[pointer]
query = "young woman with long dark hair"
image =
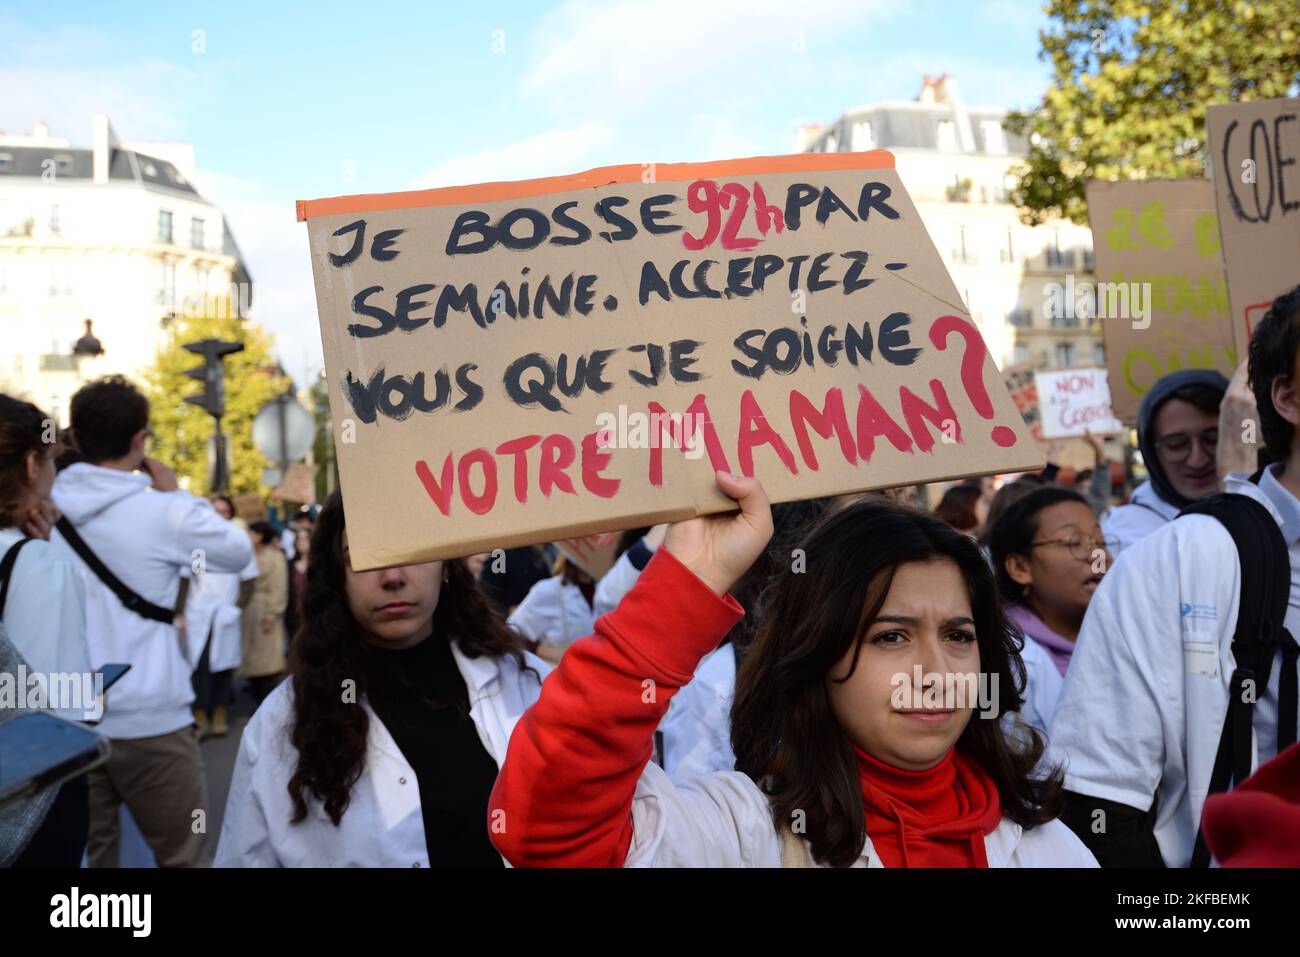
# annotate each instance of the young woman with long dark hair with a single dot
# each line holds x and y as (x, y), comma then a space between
(383, 747)
(851, 748)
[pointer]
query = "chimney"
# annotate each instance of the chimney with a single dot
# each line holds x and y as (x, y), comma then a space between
(103, 143)
(806, 134)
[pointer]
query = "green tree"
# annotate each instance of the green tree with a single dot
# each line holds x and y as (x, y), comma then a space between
(182, 430)
(1131, 83)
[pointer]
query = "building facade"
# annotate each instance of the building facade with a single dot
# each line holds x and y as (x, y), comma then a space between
(956, 163)
(100, 249)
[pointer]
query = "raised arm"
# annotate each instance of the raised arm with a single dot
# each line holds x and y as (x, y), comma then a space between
(564, 794)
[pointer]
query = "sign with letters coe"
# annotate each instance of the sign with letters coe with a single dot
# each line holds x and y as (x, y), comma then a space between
(512, 363)
(1255, 158)
(1158, 241)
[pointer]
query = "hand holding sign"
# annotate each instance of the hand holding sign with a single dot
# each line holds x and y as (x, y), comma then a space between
(718, 549)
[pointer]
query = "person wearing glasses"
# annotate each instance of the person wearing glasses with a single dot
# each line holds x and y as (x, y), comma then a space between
(1178, 432)
(1048, 556)
(1146, 699)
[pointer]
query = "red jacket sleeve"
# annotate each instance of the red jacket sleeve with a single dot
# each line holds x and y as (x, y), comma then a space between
(564, 795)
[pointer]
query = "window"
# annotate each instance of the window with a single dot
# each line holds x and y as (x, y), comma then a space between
(862, 138)
(832, 143)
(1098, 354)
(1089, 261)
(62, 163)
(947, 136)
(6, 162)
(60, 277)
(961, 251)
(994, 140)
(1065, 355)
(1019, 353)
(164, 225)
(1056, 257)
(197, 235)
(165, 283)
(54, 220)
(1022, 317)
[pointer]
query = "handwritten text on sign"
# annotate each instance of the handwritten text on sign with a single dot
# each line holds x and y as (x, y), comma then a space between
(1075, 402)
(1255, 151)
(1162, 235)
(489, 346)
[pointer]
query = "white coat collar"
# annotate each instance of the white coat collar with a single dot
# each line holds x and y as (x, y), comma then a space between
(1240, 484)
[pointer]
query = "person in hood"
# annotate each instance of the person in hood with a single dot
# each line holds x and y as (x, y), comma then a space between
(129, 513)
(1048, 556)
(846, 756)
(1145, 699)
(1178, 430)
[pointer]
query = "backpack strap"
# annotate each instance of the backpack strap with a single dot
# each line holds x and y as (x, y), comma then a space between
(132, 601)
(6, 570)
(1262, 606)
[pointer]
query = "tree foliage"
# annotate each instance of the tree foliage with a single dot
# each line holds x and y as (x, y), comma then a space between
(1131, 83)
(182, 430)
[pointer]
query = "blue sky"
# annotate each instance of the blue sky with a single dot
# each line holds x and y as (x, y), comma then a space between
(296, 101)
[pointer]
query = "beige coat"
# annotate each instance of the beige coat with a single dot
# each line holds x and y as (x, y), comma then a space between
(263, 619)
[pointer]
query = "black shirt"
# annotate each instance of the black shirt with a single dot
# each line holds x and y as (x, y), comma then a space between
(420, 696)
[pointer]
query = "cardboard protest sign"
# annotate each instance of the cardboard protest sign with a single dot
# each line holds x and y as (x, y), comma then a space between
(250, 507)
(515, 362)
(299, 484)
(1022, 388)
(594, 554)
(1255, 160)
(1156, 244)
(1075, 402)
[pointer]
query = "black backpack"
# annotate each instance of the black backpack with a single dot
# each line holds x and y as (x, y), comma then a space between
(1265, 594)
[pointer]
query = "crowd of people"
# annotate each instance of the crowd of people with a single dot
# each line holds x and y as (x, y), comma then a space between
(1029, 674)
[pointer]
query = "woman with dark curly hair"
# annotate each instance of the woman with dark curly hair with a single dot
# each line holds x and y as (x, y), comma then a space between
(382, 749)
(859, 739)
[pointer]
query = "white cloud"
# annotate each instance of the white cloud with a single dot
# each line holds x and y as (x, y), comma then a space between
(610, 58)
(552, 153)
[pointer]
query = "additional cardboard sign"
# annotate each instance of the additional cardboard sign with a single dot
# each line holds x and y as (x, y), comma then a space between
(1075, 402)
(299, 484)
(1255, 159)
(250, 507)
(594, 554)
(1023, 390)
(1161, 293)
(516, 362)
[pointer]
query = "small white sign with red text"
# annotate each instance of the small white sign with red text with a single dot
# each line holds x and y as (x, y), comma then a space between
(1074, 402)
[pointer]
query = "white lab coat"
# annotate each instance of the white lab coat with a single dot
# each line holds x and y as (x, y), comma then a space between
(554, 612)
(615, 583)
(45, 613)
(212, 607)
(383, 825)
(697, 728)
(1146, 693)
(724, 820)
(1145, 513)
(1043, 683)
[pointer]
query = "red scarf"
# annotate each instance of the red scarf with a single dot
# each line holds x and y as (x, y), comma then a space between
(932, 818)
